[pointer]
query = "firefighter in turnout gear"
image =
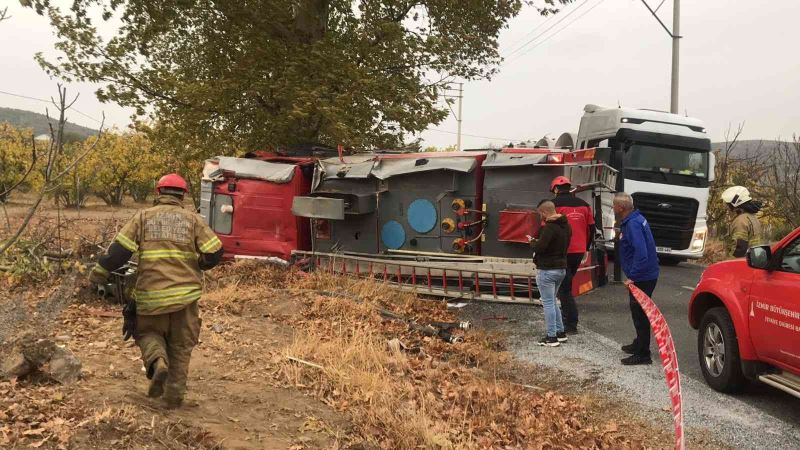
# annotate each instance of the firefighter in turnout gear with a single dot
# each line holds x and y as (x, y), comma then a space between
(745, 228)
(173, 246)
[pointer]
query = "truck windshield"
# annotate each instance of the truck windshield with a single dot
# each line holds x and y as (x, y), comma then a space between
(667, 160)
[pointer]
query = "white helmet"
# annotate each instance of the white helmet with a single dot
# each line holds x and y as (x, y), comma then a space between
(736, 196)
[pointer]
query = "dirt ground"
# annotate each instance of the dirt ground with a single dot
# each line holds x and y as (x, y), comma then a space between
(348, 390)
(235, 401)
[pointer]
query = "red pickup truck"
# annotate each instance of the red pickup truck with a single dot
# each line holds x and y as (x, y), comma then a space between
(747, 312)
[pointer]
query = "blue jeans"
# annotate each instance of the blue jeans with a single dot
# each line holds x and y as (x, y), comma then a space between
(548, 282)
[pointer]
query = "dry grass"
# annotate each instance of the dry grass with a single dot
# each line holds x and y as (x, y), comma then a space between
(436, 396)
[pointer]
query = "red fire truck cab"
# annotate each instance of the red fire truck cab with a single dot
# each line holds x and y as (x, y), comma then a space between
(248, 203)
(747, 312)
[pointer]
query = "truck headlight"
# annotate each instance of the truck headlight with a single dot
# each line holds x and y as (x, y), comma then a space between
(698, 241)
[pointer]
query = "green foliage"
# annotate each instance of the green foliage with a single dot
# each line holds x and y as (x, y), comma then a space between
(25, 263)
(433, 148)
(180, 152)
(271, 73)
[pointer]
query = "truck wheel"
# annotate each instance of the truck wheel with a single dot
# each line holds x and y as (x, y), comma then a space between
(718, 351)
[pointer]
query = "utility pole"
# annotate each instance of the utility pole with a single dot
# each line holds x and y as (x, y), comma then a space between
(458, 116)
(675, 34)
(676, 47)
(460, 98)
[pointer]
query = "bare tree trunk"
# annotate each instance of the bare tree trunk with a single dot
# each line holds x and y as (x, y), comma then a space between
(77, 179)
(31, 211)
(8, 220)
(54, 154)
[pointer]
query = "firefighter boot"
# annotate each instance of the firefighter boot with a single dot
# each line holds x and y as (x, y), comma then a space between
(175, 385)
(160, 372)
(183, 336)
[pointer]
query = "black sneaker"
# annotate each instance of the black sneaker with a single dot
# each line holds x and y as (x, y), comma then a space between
(629, 349)
(636, 360)
(571, 329)
(548, 341)
(561, 337)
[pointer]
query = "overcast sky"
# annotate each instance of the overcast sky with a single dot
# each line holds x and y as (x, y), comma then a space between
(739, 63)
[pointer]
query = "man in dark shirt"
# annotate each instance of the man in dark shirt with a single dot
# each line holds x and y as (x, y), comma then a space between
(581, 220)
(550, 257)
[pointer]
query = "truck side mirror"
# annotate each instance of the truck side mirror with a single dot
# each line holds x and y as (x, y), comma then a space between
(712, 162)
(759, 257)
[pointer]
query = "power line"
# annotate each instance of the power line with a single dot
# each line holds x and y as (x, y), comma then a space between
(557, 31)
(528, 34)
(564, 17)
(47, 101)
(475, 135)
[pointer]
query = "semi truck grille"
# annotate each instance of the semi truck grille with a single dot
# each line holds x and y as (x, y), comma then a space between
(671, 218)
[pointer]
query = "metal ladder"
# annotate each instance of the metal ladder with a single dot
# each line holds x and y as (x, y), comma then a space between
(484, 279)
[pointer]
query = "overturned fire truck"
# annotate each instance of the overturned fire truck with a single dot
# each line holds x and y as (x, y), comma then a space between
(450, 224)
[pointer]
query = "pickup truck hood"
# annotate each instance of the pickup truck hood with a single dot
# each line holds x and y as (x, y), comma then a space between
(725, 269)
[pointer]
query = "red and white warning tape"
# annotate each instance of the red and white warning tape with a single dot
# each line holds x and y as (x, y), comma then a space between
(669, 359)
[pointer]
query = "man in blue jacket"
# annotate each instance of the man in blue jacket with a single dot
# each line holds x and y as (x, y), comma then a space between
(636, 254)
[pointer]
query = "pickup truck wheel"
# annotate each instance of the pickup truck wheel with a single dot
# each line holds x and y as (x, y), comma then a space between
(718, 351)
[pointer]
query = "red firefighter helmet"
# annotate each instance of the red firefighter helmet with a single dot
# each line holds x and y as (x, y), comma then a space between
(172, 181)
(559, 181)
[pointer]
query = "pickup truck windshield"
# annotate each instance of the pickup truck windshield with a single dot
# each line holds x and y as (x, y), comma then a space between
(667, 160)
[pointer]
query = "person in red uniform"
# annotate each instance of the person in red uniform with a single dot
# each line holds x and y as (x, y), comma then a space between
(581, 220)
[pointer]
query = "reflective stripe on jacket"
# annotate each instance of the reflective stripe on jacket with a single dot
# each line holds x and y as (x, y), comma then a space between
(168, 241)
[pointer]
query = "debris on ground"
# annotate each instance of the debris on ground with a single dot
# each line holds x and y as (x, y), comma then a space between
(286, 359)
(40, 357)
(443, 395)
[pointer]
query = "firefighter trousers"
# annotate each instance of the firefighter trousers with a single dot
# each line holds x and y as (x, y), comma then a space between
(171, 336)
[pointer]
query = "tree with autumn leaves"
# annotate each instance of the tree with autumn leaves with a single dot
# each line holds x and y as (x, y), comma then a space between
(15, 157)
(259, 74)
(120, 164)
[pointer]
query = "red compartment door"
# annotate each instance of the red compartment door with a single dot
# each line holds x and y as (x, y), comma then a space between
(516, 224)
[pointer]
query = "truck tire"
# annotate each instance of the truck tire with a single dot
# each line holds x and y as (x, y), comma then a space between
(718, 351)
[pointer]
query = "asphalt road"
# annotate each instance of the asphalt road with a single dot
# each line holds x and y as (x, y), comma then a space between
(762, 417)
(606, 312)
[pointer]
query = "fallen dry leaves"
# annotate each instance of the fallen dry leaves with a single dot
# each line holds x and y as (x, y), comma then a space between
(431, 395)
(398, 388)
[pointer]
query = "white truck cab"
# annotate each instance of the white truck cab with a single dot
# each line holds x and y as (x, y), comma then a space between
(665, 163)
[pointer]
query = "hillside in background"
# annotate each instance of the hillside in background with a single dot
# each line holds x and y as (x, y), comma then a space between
(39, 123)
(750, 147)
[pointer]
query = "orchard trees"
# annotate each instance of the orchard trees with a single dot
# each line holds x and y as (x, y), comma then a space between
(124, 163)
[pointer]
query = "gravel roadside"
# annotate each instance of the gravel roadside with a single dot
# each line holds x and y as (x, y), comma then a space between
(592, 361)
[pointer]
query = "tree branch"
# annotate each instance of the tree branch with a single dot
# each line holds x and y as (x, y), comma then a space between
(54, 153)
